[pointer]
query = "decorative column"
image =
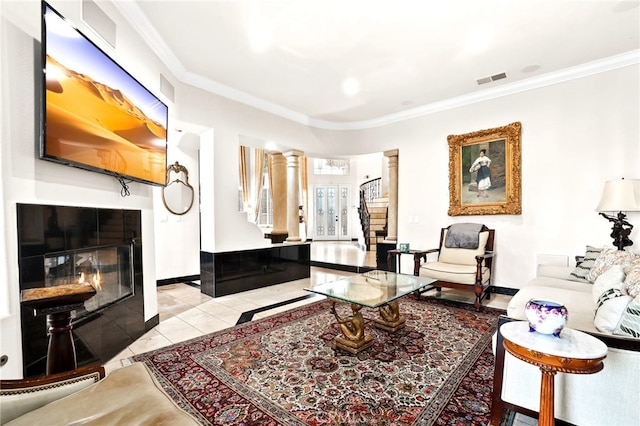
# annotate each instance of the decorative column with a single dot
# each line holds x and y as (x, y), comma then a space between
(279, 193)
(293, 224)
(392, 231)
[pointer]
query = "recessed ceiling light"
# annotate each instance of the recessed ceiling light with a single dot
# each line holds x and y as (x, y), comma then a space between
(351, 87)
(531, 68)
(478, 40)
(260, 35)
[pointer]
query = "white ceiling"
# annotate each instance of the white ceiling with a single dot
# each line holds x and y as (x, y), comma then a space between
(409, 57)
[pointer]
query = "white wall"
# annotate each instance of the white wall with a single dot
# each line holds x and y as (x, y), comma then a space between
(575, 136)
(177, 250)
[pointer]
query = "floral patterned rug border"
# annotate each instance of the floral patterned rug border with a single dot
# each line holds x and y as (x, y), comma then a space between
(281, 370)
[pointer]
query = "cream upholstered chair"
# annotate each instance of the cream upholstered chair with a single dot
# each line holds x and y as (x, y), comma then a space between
(460, 268)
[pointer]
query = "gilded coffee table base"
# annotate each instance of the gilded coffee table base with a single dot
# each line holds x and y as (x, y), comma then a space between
(353, 339)
(390, 319)
(353, 346)
(372, 289)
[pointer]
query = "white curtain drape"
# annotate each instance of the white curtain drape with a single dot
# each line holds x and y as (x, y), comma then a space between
(244, 177)
(304, 190)
(258, 172)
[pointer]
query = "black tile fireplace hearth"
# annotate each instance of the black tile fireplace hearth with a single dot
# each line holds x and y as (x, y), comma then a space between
(66, 245)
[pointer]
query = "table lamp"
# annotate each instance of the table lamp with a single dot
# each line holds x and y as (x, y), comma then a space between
(620, 196)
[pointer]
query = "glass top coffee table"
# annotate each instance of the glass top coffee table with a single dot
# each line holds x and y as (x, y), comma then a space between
(374, 289)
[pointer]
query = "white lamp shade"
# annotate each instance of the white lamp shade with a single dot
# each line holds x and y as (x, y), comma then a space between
(620, 195)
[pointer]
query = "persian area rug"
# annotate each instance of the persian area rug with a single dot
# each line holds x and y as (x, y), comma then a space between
(282, 370)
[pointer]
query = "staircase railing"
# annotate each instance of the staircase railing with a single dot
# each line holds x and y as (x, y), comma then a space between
(369, 191)
(372, 189)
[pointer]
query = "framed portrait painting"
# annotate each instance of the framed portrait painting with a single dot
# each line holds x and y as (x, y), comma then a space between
(485, 172)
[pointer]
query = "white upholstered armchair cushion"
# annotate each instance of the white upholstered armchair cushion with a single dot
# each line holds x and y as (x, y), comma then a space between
(463, 274)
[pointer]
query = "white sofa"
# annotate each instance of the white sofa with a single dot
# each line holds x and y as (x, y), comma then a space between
(610, 397)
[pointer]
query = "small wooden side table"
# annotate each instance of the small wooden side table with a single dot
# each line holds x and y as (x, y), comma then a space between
(398, 253)
(573, 352)
(57, 302)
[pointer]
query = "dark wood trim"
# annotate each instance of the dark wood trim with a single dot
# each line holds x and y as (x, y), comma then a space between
(247, 316)
(53, 378)
(276, 238)
(155, 320)
(177, 280)
(504, 290)
(339, 267)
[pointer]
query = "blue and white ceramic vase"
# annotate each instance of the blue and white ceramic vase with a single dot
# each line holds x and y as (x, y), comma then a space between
(546, 316)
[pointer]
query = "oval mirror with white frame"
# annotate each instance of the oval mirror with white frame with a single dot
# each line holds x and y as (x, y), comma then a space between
(178, 195)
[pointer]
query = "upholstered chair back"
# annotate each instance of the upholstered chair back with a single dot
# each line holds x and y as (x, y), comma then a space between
(461, 256)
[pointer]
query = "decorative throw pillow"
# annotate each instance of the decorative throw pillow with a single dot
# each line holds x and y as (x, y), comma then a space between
(632, 281)
(630, 322)
(608, 257)
(580, 272)
(611, 278)
(609, 309)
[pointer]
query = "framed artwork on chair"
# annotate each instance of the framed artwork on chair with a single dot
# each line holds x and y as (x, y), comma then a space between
(485, 172)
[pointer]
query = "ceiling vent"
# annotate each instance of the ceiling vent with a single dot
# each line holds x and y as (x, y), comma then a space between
(499, 76)
(489, 79)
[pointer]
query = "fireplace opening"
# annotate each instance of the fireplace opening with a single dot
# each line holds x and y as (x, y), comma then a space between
(107, 268)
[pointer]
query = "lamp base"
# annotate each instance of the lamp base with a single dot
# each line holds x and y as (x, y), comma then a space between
(620, 231)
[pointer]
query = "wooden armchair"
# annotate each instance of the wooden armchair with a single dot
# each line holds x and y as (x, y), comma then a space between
(466, 269)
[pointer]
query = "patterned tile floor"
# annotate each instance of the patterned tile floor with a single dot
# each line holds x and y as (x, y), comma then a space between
(186, 313)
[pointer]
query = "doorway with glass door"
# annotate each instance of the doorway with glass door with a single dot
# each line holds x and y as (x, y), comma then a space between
(331, 212)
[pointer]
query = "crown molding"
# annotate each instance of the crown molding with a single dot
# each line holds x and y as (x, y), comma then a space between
(138, 20)
(572, 73)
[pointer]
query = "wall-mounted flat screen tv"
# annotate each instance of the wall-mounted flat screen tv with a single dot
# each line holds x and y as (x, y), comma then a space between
(95, 115)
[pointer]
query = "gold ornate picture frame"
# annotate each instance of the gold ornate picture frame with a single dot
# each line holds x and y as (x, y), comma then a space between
(485, 172)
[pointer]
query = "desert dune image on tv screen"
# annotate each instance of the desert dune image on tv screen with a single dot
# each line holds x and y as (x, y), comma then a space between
(97, 115)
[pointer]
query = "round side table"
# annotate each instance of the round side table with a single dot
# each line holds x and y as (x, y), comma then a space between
(573, 352)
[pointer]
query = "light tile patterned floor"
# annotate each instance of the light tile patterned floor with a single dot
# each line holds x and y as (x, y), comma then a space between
(186, 313)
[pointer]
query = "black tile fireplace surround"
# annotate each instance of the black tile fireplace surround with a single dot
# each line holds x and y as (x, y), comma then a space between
(100, 334)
